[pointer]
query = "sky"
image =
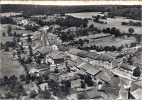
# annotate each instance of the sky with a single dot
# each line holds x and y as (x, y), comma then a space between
(79, 2)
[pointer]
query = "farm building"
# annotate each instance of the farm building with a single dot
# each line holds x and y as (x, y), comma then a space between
(54, 58)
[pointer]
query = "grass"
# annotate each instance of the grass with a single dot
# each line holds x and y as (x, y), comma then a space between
(10, 67)
(111, 22)
(9, 13)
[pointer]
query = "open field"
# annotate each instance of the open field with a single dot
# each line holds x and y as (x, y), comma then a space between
(4, 26)
(109, 41)
(93, 36)
(10, 67)
(111, 22)
(10, 13)
(86, 14)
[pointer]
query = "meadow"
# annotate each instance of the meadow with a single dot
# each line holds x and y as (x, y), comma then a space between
(111, 22)
(10, 67)
(10, 13)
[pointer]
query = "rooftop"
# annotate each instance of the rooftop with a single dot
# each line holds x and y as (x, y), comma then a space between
(92, 94)
(93, 71)
(93, 55)
(74, 51)
(82, 53)
(128, 67)
(44, 50)
(55, 55)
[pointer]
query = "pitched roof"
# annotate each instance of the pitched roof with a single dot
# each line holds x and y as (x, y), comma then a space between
(44, 50)
(93, 55)
(82, 53)
(128, 67)
(112, 92)
(78, 61)
(93, 71)
(92, 94)
(85, 66)
(138, 83)
(99, 74)
(55, 55)
(137, 93)
(105, 57)
(71, 63)
(74, 51)
(63, 48)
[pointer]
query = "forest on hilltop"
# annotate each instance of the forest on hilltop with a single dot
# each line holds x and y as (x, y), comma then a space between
(133, 12)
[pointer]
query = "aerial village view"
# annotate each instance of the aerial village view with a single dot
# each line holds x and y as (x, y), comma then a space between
(70, 52)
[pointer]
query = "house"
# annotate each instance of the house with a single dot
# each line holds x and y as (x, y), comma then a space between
(44, 50)
(92, 94)
(112, 92)
(92, 58)
(73, 53)
(54, 58)
(126, 69)
(82, 55)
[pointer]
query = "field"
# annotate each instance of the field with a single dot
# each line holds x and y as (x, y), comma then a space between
(10, 13)
(85, 14)
(10, 67)
(111, 22)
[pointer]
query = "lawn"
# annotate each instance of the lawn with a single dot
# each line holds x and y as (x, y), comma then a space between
(10, 67)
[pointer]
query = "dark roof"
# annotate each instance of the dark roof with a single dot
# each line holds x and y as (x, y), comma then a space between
(105, 57)
(93, 55)
(74, 51)
(63, 48)
(82, 53)
(128, 67)
(44, 50)
(112, 92)
(92, 94)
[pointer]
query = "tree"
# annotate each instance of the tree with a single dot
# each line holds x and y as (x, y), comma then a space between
(131, 30)
(83, 85)
(88, 80)
(6, 48)
(8, 95)
(15, 34)
(44, 95)
(81, 96)
(9, 29)
(22, 77)
(56, 70)
(91, 26)
(137, 72)
(33, 94)
(3, 34)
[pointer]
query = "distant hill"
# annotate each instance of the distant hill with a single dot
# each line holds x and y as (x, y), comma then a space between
(133, 12)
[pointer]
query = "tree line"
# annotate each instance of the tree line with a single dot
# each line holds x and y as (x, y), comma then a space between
(133, 12)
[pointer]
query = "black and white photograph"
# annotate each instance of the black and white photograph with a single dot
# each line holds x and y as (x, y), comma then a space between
(70, 50)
